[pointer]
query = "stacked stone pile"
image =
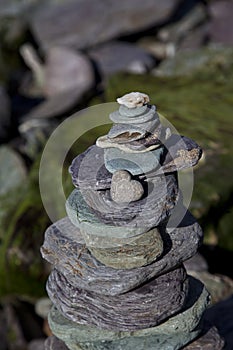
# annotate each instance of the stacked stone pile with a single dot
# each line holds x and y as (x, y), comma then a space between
(118, 280)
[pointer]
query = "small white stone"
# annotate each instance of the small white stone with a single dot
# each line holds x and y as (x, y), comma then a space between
(134, 99)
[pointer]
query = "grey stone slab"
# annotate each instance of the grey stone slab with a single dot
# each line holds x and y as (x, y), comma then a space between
(126, 253)
(146, 306)
(95, 207)
(65, 248)
(56, 23)
(145, 115)
(171, 334)
(136, 163)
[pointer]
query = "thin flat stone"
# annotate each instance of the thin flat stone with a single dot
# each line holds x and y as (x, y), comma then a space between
(104, 142)
(88, 169)
(124, 133)
(126, 253)
(171, 334)
(132, 117)
(144, 307)
(96, 207)
(65, 248)
(135, 163)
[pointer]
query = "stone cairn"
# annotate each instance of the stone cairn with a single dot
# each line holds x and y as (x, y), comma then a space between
(118, 280)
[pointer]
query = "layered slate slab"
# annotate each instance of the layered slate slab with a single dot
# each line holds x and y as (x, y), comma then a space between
(65, 248)
(171, 334)
(146, 306)
(154, 207)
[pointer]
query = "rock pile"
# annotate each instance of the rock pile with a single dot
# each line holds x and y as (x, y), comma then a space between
(118, 280)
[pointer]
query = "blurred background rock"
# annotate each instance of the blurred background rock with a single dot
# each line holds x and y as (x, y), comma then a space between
(58, 57)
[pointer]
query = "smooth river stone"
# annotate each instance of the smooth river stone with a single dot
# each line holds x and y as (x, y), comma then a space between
(65, 248)
(145, 306)
(124, 189)
(136, 163)
(88, 169)
(126, 253)
(124, 133)
(135, 116)
(170, 335)
(151, 210)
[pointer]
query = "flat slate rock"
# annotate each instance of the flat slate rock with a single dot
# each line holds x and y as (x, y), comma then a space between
(65, 248)
(96, 207)
(126, 253)
(171, 334)
(136, 163)
(88, 169)
(144, 307)
(56, 24)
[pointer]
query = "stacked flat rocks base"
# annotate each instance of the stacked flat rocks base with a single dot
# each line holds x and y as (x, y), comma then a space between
(118, 280)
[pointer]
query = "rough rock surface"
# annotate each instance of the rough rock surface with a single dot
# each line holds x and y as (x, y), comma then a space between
(124, 189)
(174, 333)
(145, 306)
(82, 270)
(96, 207)
(126, 253)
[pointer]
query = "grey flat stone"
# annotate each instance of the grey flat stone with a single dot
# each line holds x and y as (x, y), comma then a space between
(87, 207)
(146, 306)
(139, 115)
(65, 248)
(126, 253)
(172, 334)
(135, 163)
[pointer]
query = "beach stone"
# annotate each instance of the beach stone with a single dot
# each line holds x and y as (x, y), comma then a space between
(65, 70)
(220, 22)
(104, 142)
(124, 133)
(146, 306)
(145, 115)
(116, 56)
(171, 334)
(134, 99)
(125, 253)
(64, 247)
(124, 189)
(12, 170)
(53, 343)
(116, 159)
(96, 207)
(56, 23)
